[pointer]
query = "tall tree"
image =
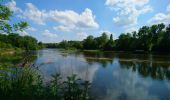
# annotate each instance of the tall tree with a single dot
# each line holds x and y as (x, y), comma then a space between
(102, 40)
(89, 43)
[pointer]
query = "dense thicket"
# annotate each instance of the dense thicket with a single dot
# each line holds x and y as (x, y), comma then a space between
(147, 38)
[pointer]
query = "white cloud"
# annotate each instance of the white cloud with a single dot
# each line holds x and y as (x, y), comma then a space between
(22, 33)
(72, 20)
(63, 28)
(128, 11)
(31, 12)
(34, 14)
(131, 29)
(32, 29)
(82, 35)
(48, 34)
(160, 18)
(168, 8)
(67, 19)
(12, 6)
(131, 2)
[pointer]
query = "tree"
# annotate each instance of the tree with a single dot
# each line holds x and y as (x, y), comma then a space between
(29, 43)
(144, 39)
(5, 13)
(164, 44)
(5, 27)
(64, 44)
(89, 43)
(110, 44)
(124, 42)
(101, 41)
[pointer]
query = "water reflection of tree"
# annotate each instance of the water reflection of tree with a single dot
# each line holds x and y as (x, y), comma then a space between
(154, 70)
(101, 61)
(103, 58)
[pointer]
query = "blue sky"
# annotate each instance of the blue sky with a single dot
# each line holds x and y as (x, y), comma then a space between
(57, 20)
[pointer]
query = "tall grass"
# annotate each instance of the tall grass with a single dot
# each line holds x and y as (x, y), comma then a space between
(27, 84)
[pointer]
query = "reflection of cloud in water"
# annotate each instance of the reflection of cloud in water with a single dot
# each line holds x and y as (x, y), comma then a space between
(66, 66)
(167, 83)
(129, 86)
(81, 68)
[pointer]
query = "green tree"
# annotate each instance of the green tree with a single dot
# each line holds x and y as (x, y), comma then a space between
(164, 44)
(124, 42)
(89, 43)
(102, 40)
(110, 44)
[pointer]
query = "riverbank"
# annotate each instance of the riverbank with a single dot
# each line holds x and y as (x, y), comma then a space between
(10, 51)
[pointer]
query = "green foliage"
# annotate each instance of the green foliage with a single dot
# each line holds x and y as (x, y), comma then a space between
(20, 26)
(5, 27)
(17, 41)
(101, 41)
(153, 38)
(65, 45)
(5, 45)
(5, 13)
(89, 43)
(124, 42)
(27, 84)
(41, 45)
(110, 44)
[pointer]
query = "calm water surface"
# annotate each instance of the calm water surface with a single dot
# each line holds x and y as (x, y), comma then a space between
(114, 76)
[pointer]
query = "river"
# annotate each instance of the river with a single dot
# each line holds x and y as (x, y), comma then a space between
(113, 76)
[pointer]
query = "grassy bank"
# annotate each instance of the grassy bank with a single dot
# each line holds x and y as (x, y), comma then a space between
(10, 51)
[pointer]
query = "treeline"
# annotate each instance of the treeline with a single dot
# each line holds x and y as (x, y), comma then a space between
(155, 38)
(65, 44)
(16, 41)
